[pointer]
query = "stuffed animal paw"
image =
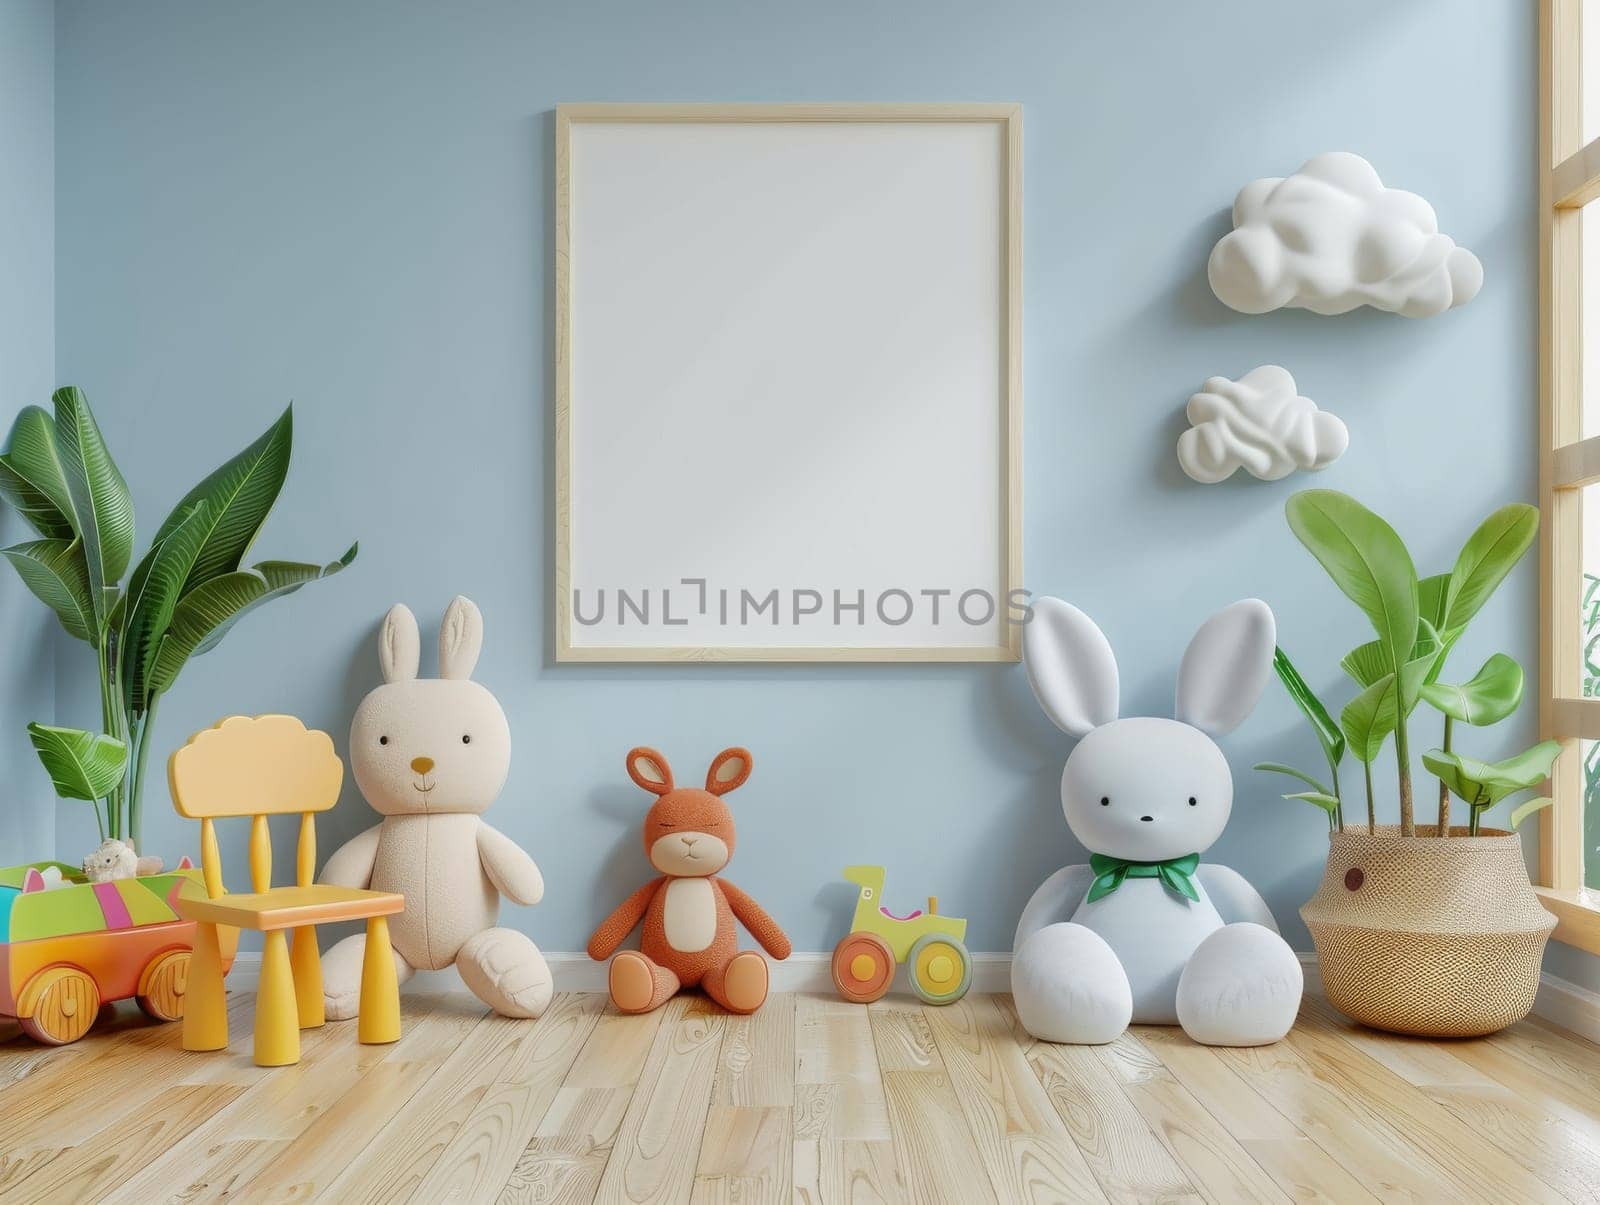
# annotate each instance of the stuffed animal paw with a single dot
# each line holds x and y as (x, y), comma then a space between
(505, 970)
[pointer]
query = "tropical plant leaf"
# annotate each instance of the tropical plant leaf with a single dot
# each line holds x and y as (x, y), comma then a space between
(1327, 732)
(118, 612)
(1366, 663)
(31, 476)
(83, 765)
(54, 570)
(1483, 784)
(1419, 667)
(1369, 718)
(1447, 642)
(150, 599)
(281, 577)
(207, 613)
(102, 506)
(1488, 555)
(1321, 799)
(1433, 599)
(1446, 767)
(1523, 810)
(1273, 767)
(1494, 693)
(1365, 559)
(239, 495)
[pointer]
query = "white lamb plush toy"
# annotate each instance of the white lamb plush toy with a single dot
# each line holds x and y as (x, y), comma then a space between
(430, 755)
(1145, 932)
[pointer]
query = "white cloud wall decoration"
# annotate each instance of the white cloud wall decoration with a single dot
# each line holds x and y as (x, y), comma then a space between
(1331, 238)
(1258, 423)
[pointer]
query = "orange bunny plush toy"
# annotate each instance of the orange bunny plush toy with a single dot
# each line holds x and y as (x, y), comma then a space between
(688, 914)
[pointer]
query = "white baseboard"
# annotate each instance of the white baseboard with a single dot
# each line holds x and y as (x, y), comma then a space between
(802, 971)
(1561, 1003)
(1568, 1005)
(1312, 970)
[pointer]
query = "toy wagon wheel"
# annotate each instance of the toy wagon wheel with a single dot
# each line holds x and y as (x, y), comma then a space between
(162, 986)
(863, 967)
(940, 969)
(60, 1003)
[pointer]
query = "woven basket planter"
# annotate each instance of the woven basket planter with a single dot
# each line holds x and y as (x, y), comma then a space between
(1428, 936)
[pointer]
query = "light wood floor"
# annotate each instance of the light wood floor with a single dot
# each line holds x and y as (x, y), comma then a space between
(810, 1100)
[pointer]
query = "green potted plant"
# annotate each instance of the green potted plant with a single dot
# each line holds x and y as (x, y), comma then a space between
(179, 601)
(1427, 929)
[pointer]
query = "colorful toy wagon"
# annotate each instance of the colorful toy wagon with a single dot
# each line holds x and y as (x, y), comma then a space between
(67, 949)
(937, 963)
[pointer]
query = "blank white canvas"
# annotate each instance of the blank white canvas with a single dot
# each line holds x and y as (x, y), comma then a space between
(788, 371)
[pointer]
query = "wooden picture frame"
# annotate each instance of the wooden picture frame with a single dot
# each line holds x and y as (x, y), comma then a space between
(635, 185)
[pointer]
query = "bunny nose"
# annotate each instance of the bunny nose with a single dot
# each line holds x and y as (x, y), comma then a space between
(422, 764)
(688, 841)
(1141, 817)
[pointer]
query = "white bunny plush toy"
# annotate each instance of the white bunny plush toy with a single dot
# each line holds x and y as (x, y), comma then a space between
(1146, 932)
(431, 755)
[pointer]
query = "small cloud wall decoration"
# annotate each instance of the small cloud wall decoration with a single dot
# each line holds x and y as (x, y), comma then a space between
(1258, 423)
(1331, 238)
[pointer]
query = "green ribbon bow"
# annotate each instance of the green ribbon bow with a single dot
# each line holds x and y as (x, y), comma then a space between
(1176, 874)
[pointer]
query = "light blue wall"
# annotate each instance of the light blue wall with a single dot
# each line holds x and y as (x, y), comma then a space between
(27, 369)
(350, 205)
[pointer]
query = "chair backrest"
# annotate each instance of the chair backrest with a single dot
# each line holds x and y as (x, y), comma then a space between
(256, 766)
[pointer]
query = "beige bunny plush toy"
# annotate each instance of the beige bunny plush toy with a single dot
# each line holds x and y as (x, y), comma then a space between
(430, 755)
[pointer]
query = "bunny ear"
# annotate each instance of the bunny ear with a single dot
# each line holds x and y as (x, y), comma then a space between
(1227, 666)
(650, 770)
(460, 638)
(1070, 666)
(399, 645)
(728, 771)
(32, 881)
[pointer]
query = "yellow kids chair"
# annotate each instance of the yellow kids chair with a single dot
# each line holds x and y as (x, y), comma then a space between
(257, 767)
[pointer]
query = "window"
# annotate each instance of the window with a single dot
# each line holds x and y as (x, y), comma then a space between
(1569, 463)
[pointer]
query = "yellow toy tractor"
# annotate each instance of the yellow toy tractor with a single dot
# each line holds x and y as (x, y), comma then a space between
(937, 963)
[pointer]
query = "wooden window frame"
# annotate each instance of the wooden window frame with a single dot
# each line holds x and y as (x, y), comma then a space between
(1569, 177)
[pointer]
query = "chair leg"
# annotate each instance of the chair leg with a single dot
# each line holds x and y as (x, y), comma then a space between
(205, 1002)
(307, 966)
(277, 1022)
(380, 990)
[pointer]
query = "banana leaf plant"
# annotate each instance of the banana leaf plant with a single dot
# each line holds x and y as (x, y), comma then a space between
(1367, 720)
(82, 765)
(1492, 694)
(1330, 738)
(1370, 564)
(1418, 622)
(181, 598)
(1481, 785)
(1450, 602)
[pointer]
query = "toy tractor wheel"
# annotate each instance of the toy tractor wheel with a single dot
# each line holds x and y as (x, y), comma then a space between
(940, 969)
(61, 1004)
(863, 967)
(162, 986)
